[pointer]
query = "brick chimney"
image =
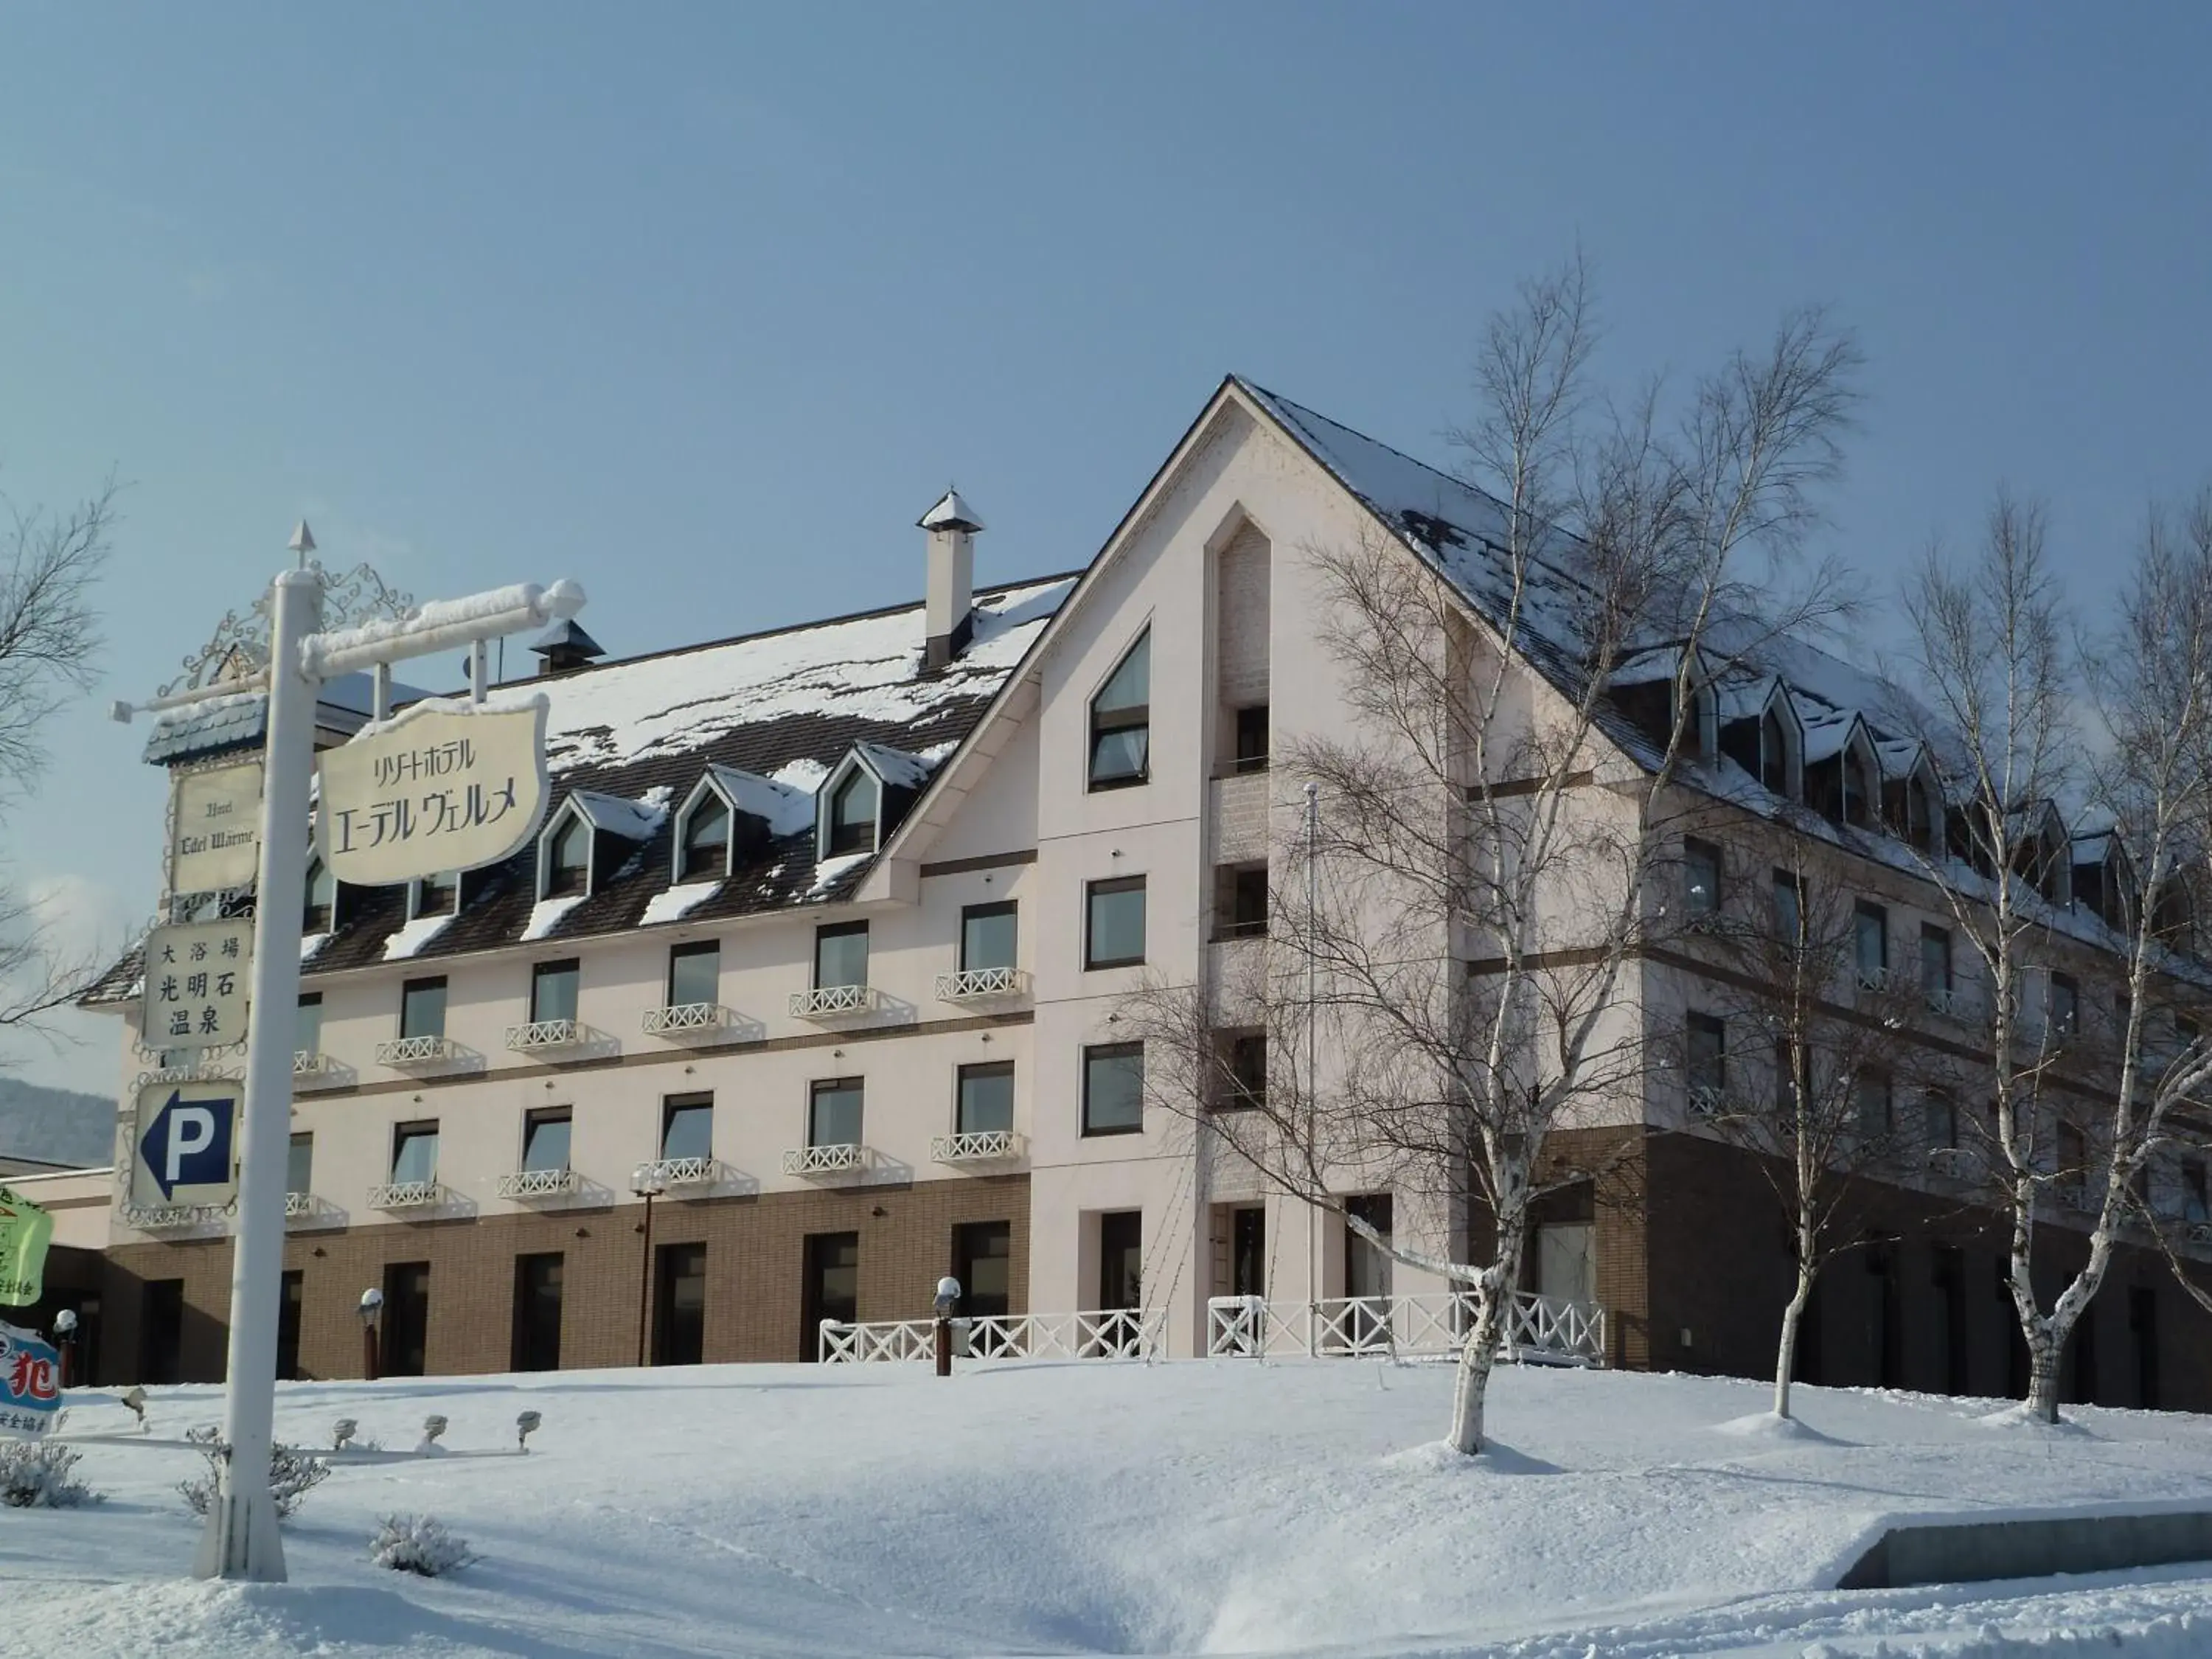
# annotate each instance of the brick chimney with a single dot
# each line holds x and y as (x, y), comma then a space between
(951, 526)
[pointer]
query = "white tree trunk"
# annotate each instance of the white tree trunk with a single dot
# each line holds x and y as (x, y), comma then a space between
(1785, 1357)
(1478, 1355)
(2044, 1350)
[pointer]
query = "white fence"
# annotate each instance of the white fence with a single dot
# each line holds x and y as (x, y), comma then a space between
(1539, 1329)
(1111, 1334)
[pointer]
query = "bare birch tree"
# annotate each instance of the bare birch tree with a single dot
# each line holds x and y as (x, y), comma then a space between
(1456, 925)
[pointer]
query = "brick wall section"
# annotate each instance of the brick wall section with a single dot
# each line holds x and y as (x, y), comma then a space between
(1240, 818)
(755, 1253)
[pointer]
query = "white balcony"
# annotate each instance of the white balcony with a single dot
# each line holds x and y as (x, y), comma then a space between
(406, 1195)
(687, 1020)
(401, 1052)
(1706, 1100)
(980, 985)
(526, 1184)
(834, 1002)
(175, 1217)
(977, 1146)
(305, 1063)
(675, 1172)
(543, 1034)
(297, 1205)
(842, 1159)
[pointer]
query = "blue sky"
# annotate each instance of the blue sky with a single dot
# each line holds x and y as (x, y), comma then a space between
(703, 305)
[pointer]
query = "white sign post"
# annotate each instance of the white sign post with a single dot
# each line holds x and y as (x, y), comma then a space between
(241, 1540)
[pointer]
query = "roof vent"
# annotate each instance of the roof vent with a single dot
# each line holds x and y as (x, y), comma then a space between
(564, 647)
(952, 524)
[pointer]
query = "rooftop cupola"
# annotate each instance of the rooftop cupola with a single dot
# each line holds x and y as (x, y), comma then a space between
(564, 647)
(951, 526)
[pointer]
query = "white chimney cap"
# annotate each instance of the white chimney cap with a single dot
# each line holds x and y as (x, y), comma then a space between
(951, 513)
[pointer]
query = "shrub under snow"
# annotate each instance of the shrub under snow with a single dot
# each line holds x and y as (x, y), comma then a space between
(41, 1474)
(292, 1474)
(418, 1544)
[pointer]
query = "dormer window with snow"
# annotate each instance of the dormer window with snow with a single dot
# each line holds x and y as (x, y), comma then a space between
(321, 908)
(1122, 721)
(434, 896)
(566, 864)
(589, 837)
(1758, 731)
(1774, 753)
(852, 816)
(704, 844)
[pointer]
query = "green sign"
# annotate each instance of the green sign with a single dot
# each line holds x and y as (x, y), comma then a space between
(25, 1230)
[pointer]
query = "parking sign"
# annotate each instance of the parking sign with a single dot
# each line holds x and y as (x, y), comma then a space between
(184, 1143)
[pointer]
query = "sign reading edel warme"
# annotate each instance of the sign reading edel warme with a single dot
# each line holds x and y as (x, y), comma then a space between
(215, 842)
(441, 788)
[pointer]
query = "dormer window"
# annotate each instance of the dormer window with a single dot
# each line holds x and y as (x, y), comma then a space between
(1859, 789)
(1774, 753)
(321, 898)
(435, 896)
(568, 859)
(1122, 721)
(852, 815)
(705, 846)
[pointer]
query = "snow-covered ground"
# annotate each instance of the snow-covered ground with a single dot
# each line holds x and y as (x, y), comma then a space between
(1202, 1507)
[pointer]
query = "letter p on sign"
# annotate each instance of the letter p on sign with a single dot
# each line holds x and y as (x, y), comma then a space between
(192, 1132)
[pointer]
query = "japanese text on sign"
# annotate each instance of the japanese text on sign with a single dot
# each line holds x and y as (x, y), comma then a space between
(438, 789)
(198, 982)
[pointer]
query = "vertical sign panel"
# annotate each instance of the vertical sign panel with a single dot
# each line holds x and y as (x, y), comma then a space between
(216, 840)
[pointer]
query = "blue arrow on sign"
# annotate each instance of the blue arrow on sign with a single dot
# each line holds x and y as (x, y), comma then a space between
(188, 1143)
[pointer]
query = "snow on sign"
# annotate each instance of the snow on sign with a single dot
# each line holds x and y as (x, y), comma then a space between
(181, 1144)
(198, 977)
(444, 787)
(30, 1382)
(216, 835)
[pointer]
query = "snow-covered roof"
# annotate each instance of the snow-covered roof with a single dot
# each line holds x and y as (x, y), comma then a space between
(895, 766)
(633, 820)
(951, 513)
(787, 809)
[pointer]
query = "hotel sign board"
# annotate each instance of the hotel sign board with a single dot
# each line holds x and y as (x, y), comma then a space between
(442, 788)
(200, 980)
(214, 837)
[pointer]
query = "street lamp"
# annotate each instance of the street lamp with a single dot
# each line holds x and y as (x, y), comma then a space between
(646, 1183)
(371, 1303)
(948, 1298)
(65, 1339)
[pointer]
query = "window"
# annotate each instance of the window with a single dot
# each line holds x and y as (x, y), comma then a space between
(1870, 942)
(986, 1104)
(2070, 1180)
(536, 1340)
(1120, 1259)
(1114, 1089)
(680, 1305)
(983, 1261)
(1241, 1080)
(1240, 893)
(833, 1115)
(404, 1332)
(1790, 1091)
(1701, 879)
(1872, 1104)
(1114, 936)
(1705, 1069)
(706, 854)
(415, 1153)
(568, 859)
(1859, 789)
(307, 1024)
(1935, 964)
(1122, 721)
(1774, 753)
(321, 899)
(694, 973)
(437, 896)
(1789, 906)
(1941, 1119)
(687, 1126)
(852, 815)
(553, 991)
(832, 1288)
(2065, 1004)
(1252, 738)
(840, 955)
(300, 1165)
(2196, 1193)
(422, 1008)
(988, 936)
(545, 1139)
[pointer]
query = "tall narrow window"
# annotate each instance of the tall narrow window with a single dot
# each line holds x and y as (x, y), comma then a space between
(307, 1024)
(1871, 1098)
(1701, 878)
(2071, 1178)
(438, 895)
(687, 1126)
(422, 1008)
(706, 841)
(2196, 1192)
(1942, 1120)
(680, 1305)
(1789, 906)
(545, 1136)
(1240, 898)
(1705, 1066)
(300, 1166)
(1870, 942)
(840, 955)
(1241, 1070)
(1120, 1259)
(833, 1116)
(2065, 1005)
(988, 936)
(1114, 1089)
(1252, 738)
(1113, 930)
(1936, 965)
(321, 899)
(1122, 721)
(982, 1261)
(986, 1102)
(568, 859)
(694, 973)
(415, 1153)
(1774, 753)
(536, 1341)
(852, 815)
(553, 991)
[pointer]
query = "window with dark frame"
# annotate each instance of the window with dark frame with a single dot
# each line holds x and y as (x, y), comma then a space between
(1252, 738)
(415, 1153)
(320, 906)
(1705, 1068)
(984, 1098)
(2071, 1178)
(1114, 1089)
(568, 859)
(2196, 1192)
(1936, 964)
(1940, 1114)
(840, 955)
(1789, 906)
(982, 1261)
(546, 1138)
(1790, 1089)
(1122, 720)
(1241, 901)
(1701, 878)
(422, 1008)
(1114, 929)
(438, 895)
(307, 1024)
(694, 973)
(687, 1126)
(1870, 941)
(706, 854)
(989, 936)
(852, 815)
(1120, 1259)
(833, 1112)
(2065, 1004)
(300, 1165)
(1873, 1103)
(1240, 1065)
(553, 990)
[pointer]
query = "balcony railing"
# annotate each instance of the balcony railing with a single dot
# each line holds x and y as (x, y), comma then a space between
(537, 1183)
(687, 1019)
(297, 1205)
(305, 1063)
(983, 985)
(1107, 1334)
(2200, 1232)
(414, 1051)
(675, 1172)
(406, 1195)
(975, 1146)
(175, 1217)
(833, 1002)
(841, 1159)
(1539, 1329)
(1707, 1100)
(543, 1034)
